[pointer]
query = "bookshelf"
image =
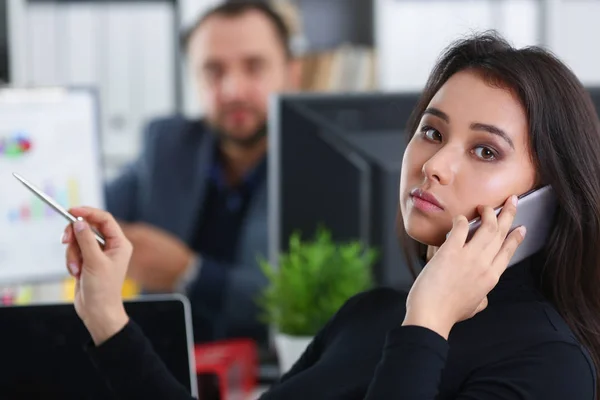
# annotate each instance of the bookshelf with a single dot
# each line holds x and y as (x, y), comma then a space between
(333, 41)
(401, 39)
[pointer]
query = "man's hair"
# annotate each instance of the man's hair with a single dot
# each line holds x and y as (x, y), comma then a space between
(236, 8)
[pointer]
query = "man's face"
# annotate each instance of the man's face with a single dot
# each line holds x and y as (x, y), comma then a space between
(238, 62)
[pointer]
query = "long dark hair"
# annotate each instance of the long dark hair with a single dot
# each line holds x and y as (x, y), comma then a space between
(564, 138)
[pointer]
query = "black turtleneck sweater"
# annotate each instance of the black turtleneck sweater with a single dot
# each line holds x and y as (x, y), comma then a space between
(517, 348)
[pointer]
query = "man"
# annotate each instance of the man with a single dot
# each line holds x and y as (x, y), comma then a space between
(194, 204)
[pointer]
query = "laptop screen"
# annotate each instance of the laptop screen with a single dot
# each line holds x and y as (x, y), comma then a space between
(43, 355)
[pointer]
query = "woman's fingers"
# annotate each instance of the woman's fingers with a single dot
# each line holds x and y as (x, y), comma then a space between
(459, 232)
(510, 245)
(81, 241)
(104, 223)
(86, 240)
(494, 229)
(487, 231)
(507, 216)
(74, 259)
(67, 236)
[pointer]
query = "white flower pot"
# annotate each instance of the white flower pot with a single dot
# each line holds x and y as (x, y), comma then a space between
(289, 349)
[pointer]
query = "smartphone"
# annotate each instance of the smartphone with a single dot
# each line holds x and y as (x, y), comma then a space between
(535, 211)
(48, 200)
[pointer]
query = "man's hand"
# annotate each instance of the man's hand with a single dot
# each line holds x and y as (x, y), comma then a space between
(159, 259)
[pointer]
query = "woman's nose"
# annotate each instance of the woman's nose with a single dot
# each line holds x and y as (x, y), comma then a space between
(440, 167)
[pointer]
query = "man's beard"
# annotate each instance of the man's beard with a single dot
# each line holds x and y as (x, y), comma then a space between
(246, 142)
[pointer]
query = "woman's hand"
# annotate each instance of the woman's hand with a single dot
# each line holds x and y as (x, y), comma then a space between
(99, 273)
(454, 284)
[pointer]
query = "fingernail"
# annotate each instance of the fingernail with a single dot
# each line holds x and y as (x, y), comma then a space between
(523, 231)
(79, 225)
(63, 240)
(514, 200)
(74, 268)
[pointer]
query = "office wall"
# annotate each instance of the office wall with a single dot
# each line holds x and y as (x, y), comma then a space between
(574, 30)
(190, 10)
(126, 50)
(410, 35)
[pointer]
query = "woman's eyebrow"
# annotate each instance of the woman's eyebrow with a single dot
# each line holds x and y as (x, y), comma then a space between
(476, 126)
(494, 130)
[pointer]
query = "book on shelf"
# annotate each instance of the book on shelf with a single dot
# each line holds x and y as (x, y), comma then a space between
(348, 68)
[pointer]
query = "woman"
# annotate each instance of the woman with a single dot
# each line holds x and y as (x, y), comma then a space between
(493, 122)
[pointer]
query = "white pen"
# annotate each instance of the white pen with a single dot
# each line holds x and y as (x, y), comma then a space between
(48, 200)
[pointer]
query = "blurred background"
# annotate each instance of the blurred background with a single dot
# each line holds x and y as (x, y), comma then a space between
(129, 49)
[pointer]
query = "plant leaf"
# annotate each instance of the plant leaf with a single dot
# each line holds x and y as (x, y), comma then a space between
(312, 280)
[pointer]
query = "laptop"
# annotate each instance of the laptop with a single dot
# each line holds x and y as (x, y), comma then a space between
(42, 351)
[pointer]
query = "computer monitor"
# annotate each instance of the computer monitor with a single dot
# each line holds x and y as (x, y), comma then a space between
(43, 348)
(334, 161)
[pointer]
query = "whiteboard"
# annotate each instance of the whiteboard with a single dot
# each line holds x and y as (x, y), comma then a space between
(51, 138)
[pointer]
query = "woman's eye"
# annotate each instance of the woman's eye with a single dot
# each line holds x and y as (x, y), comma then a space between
(431, 134)
(485, 153)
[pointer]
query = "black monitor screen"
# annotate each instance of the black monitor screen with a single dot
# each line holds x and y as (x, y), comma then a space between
(310, 160)
(43, 353)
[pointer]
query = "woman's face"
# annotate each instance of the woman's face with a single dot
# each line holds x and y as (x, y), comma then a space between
(471, 148)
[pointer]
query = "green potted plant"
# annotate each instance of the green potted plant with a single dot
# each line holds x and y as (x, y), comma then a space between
(312, 280)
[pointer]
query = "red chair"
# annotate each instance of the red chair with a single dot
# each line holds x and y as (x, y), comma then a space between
(234, 363)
